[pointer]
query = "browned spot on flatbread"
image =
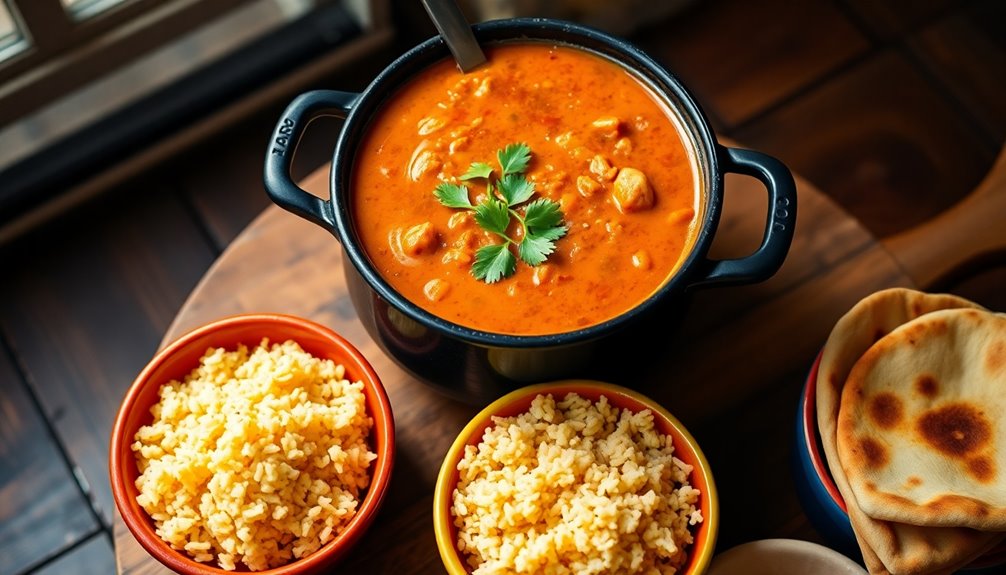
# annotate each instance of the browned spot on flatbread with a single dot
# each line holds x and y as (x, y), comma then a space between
(874, 454)
(913, 332)
(973, 315)
(995, 357)
(956, 430)
(913, 481)
(878, 335)
(835, 382)
(927, 386)
(885, 410)
(959, 503)
(982, 468)
(939, 326)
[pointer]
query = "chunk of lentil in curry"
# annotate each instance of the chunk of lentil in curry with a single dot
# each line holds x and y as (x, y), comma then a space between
(602, 145)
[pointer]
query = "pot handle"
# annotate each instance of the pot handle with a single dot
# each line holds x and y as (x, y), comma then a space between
(283, 146)
(769, 256)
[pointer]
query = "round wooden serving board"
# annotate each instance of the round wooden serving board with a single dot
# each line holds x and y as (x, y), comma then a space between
(732, 371)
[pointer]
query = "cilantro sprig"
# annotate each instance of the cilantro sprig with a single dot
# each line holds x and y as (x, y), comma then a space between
(540, 219)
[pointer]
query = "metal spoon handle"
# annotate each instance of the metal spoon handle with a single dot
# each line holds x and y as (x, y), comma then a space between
(453, 26)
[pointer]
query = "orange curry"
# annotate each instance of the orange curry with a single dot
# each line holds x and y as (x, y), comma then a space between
(602, 146)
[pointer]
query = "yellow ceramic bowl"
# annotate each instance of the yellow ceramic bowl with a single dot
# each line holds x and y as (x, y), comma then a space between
(519, 401)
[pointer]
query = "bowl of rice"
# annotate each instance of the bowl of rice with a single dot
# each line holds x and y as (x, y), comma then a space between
(256, 442)
(575, 476)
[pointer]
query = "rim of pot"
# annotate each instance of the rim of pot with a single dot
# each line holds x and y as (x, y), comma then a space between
(700, 140)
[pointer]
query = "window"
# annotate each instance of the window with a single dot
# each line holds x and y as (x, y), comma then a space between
(11, 40)
(59, 45)
(83, 9)
(85, 84)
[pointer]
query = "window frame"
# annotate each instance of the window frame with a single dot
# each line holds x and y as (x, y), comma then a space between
(64, 52)
(331, 35)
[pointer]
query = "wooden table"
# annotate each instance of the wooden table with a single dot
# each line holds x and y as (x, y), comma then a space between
(732, 372)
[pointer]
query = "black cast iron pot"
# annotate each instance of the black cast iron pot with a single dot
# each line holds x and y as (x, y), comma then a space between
(478, 366)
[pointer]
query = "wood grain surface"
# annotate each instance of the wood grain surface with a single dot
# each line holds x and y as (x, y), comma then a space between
(793, 45)
(44, 502)
(732, 370)
(86, 314)
(796, 79)
(966, 52)
(861, 138)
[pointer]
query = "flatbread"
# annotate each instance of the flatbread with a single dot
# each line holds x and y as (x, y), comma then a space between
(915, 550)
(922, 424)
(887, 547)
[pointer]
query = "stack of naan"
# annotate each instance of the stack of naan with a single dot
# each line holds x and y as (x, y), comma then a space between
(911, 404)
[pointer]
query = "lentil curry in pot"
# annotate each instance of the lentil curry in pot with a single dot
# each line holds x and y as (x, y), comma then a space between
(546, 191)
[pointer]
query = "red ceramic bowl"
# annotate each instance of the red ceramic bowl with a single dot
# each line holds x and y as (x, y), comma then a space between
(519, 401)
(178, 359)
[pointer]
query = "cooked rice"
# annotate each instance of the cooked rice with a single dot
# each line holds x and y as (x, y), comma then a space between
(259, 457)
(574, 487)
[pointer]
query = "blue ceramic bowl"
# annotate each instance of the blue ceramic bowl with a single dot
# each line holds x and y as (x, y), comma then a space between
(821, 499)
(815, 488)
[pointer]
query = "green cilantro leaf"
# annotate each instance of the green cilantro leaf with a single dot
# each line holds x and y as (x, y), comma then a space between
(550, 233)
(477, 170)
(534, 250)
(493, 263)
(493, 215)
(514, 158)
(540, 226)
(542, 213)
(515, 189)
(452, 195)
